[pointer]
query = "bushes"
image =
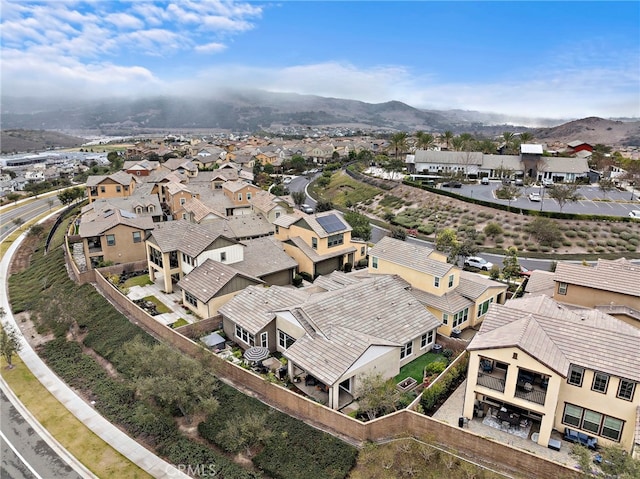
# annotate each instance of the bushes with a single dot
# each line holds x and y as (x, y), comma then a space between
(439, 390)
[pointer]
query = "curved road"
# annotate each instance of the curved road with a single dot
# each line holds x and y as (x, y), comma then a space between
(26, 211)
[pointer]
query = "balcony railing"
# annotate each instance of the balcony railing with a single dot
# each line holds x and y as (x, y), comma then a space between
(534, 395)
(491, 382)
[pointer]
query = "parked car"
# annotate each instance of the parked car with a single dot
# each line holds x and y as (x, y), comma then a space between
(634, 214)
(535, 197)
(547, 183)
(524, 271)
(519, 182)
(287, 180)
(452, 184)
(307, 209)
(484, 180)
(478, 262)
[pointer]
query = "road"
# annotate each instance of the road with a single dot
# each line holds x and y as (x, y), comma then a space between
(26, 211)
(25, 454)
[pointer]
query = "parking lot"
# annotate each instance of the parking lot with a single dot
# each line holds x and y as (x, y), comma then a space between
(593, 199)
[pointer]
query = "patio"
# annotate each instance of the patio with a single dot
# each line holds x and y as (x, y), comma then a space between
(320, 393)
(172, 301)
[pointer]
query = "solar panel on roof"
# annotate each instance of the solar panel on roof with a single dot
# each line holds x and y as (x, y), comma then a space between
(331, 223)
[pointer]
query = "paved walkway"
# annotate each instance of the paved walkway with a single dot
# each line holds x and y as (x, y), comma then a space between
(171, 301)
(129, 448)
(451, 410)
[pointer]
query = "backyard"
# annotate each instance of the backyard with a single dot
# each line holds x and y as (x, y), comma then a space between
(415, 369)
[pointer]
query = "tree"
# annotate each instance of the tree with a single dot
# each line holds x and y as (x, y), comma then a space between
(510, 264)
(465, 249)
(116, 160)
(447, 242)
(509, 138)
(425, 140)
(606, 185)
(399, 143)
(509, 193)
(50, 202)
(398, 232)
(246, 431)
(377, 396)
(492, 230)
(9, 342)
(18, 222)
(323, 205)
(394, 165)
(526, 137)
(545, 230)
(171, 380)
(13, 197)
(361, 228)
(298, 163)
(447, 136)
(299, 197)
(564, 194)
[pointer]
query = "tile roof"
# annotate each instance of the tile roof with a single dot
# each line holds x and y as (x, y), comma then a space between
(540, 282)
(199, 210)
(242, 226)
(559, 336)
(310, 253)
(263, 256)
(473, 285)
(205, 281)
(451, 157)
(450, 302)
(411, 256)
(97, 223)
(285, 221)
(119, 177)
(235, 186)
(312, 221)
(618, 276)
(189, 238)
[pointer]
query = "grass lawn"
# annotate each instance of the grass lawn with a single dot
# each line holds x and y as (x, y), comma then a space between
(180, 322)
(160, 306)
(142, 280)
(93, 452)
(415, 368)
(343, 188)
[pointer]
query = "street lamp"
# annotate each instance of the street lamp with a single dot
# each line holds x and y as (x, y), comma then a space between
(541, 196)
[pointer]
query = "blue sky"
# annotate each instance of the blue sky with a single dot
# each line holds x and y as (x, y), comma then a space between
(526, 59)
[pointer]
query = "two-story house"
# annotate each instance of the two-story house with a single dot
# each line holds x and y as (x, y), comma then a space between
(240, 193)
(459, 299)
(611, 286)
(117, 185)
(113, 235)
(559, 367)
(320, 243)
(342, 328)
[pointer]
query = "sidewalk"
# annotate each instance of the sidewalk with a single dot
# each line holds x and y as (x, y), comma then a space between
(128, 447)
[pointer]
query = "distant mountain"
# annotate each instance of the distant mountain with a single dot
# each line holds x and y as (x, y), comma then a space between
(593, 130)
(14, 141)
(254, 110)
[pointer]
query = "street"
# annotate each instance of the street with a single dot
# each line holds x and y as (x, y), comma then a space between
(26, 211)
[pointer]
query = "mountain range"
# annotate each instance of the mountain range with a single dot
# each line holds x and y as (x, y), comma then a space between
(254, 110)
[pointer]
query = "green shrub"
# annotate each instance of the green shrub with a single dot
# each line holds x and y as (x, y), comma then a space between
(435, 368)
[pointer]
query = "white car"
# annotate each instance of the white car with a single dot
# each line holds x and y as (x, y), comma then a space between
(634, 214)
(535, 197)
(547, 183)
(287, 180)
(477, 262)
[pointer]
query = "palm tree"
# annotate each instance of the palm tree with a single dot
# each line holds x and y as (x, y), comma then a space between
(508, 138)
(526, 137)
(425, 140)
(399, 142)
(457, 142)
(447, 136)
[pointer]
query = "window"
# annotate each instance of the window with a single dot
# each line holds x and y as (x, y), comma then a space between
(572, 415)
(362, 251)
(137, 237)
(460, 317)
(138, 209)
(277, 214)
(183, 201)
(600, 382)
(314, 243)
(576, 375)
(248, 196)
(436, 282)
(111, 240)
(426, 339)
(264, 339)
(184, 216)
(591, 421)
(244, 335)
(150, 209)
(406, 350)
(155, 256)
(374, 262)
(626, 389)
(445, 318)
(335, 240)
(186, 259)
(239, 196)
(484, 307)
(562, 288)
(103, 189)
(223, 256)
(284, 340)
(191, 299)
(612, 428)
(277, 229)
(450, 281)
(118, 188)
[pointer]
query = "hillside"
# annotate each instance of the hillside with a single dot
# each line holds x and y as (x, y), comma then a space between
(592, 130)
(18, 141)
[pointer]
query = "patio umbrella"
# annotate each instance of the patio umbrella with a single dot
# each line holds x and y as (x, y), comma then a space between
(256, 353)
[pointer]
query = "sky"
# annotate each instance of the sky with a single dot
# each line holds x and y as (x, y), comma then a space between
(542, 59)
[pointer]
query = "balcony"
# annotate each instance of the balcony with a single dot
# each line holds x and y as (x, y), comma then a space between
(492, 381)
(536, 395)
(95, 245)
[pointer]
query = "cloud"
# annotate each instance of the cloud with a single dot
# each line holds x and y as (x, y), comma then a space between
(213, 47)
(124, 21)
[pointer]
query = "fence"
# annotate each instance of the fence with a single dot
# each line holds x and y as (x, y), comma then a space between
(400, 423)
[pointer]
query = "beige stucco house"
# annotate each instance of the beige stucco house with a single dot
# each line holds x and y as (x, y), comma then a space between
(343, 327)
(612, 287)
(459, 299)
(117, 185)
(560, 367)
(320, 243)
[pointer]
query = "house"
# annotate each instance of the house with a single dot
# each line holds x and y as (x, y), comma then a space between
(579, 145)
(240, 194)
(342, 328)
(117, 185)
(560, 367)
(140, 167)
(459, 299)
(113, 235)
(270, 205)
(320, 243)
(611, 286)
(142, 205)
